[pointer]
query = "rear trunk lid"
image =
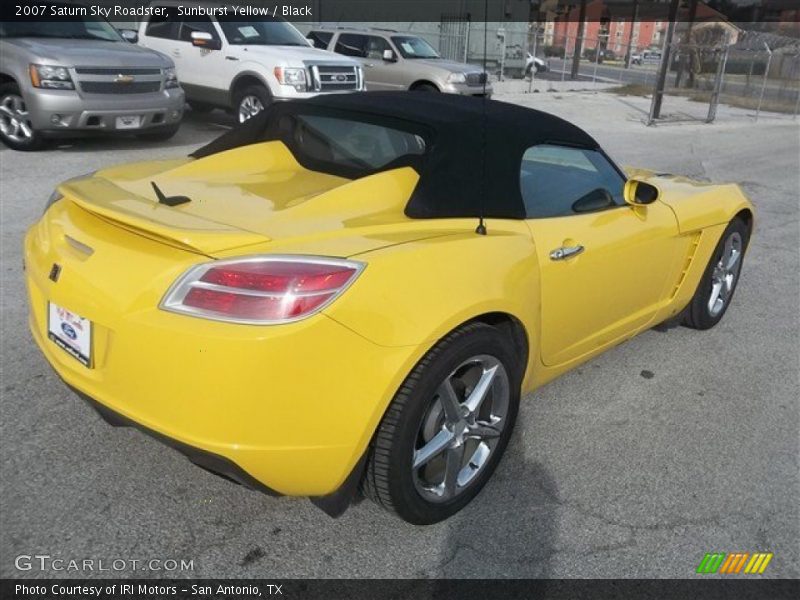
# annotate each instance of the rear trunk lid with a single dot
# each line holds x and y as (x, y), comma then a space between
(252, 196)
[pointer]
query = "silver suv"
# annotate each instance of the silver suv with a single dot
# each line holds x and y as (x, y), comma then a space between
(61, 78)
(402, 61)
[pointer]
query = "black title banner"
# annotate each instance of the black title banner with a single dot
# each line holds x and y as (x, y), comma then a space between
(784, 12)
(322, 589)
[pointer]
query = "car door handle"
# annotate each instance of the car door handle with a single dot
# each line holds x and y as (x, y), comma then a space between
(369, 65)
(231, 58)
(566, 252)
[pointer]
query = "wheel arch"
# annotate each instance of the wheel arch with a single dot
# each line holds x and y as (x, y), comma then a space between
(746, 215)
(7, 78)
(510, 326)
(244, 79)
(421, 82)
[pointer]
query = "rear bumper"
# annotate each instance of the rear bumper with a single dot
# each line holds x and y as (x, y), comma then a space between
(291, 408)
(65, 111)
(219, 465)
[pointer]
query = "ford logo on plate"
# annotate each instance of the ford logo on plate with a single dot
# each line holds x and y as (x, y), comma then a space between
(69, 331)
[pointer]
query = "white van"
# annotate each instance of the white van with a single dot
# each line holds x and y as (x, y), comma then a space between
(224, 61)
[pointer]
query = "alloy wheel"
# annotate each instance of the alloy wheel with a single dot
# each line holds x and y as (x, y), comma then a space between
(723, 279)
(461, 428)
(14, 119)
(249, 107)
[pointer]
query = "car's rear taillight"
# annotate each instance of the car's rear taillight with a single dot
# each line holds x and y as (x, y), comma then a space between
(261, 290)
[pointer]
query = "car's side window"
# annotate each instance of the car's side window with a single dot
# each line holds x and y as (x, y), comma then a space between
(189, 27)
(320, 39)
(375, 47)
(557, 181)
(352, 44)
(161, 26)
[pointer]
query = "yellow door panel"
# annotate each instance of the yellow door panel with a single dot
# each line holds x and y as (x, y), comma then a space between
(610, 288)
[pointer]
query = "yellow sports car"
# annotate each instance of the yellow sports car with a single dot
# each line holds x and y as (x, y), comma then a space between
(353, 292)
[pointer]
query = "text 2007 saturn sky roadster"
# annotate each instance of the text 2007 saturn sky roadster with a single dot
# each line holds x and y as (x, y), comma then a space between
(352, 292)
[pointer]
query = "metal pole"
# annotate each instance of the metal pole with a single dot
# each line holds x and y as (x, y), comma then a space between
(533, 54)
(764, 81)
(797, 105)
(564, 66)
(661, 80)
(712, 107)
(596, 60)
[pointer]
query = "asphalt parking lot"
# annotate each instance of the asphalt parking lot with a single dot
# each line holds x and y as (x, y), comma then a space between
(672, 445)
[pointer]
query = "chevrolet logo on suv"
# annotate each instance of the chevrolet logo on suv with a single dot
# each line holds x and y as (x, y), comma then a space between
(124, 79)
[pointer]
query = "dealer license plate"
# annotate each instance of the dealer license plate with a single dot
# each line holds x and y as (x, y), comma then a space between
(129, 122)
(70, 332)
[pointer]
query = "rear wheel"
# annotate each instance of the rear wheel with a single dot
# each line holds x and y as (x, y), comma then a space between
(250, 101)
(16, 130)
(716, 288)
(446, 428)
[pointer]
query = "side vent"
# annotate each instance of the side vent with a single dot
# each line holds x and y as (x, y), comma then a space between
(693, 245)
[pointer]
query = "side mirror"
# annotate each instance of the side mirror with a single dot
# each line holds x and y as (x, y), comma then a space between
(129, 35)
(388, 56)
(639, 193)
(203, 39)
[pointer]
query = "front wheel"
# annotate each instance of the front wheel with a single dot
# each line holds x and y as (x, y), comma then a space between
(16, 130)
(446, 428)
(715, 290)
(250, 101)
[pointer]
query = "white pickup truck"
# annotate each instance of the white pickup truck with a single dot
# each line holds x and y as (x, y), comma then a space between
(243, 65)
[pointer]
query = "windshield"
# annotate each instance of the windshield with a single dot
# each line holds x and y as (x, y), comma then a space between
(414, 47)
(271, 32)
(87, 28)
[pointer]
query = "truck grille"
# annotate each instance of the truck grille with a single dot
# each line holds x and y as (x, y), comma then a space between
(113, 87)
(113, 72)
(119, 80)
(476, 79)
(334, 78)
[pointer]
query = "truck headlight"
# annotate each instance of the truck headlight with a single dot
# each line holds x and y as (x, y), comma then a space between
(457, 78)
(170, 78)
(290, 76)
(51, 77)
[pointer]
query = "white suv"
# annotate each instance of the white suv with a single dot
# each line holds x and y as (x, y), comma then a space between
(243, 65)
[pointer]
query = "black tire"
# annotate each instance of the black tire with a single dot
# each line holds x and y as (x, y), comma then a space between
(254, 91)
(201, 108)
(389, 479)
(425, 87)
(160, 135)
(699, 314)
(9, 93)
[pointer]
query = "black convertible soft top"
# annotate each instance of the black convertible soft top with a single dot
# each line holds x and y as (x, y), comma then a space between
(475, 145)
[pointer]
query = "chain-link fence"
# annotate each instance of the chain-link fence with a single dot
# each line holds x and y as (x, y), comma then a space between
(752, 78)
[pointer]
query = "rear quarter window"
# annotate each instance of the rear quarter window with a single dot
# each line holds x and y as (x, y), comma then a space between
(351, 144)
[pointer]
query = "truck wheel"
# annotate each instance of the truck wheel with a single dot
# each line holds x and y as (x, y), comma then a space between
(446, 428)
(161, 134)
(16, 130)
(425, 87)
(250, 101)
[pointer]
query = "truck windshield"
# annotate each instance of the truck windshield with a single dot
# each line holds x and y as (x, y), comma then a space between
(414, 47)
(86, 28)
(262, 33)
